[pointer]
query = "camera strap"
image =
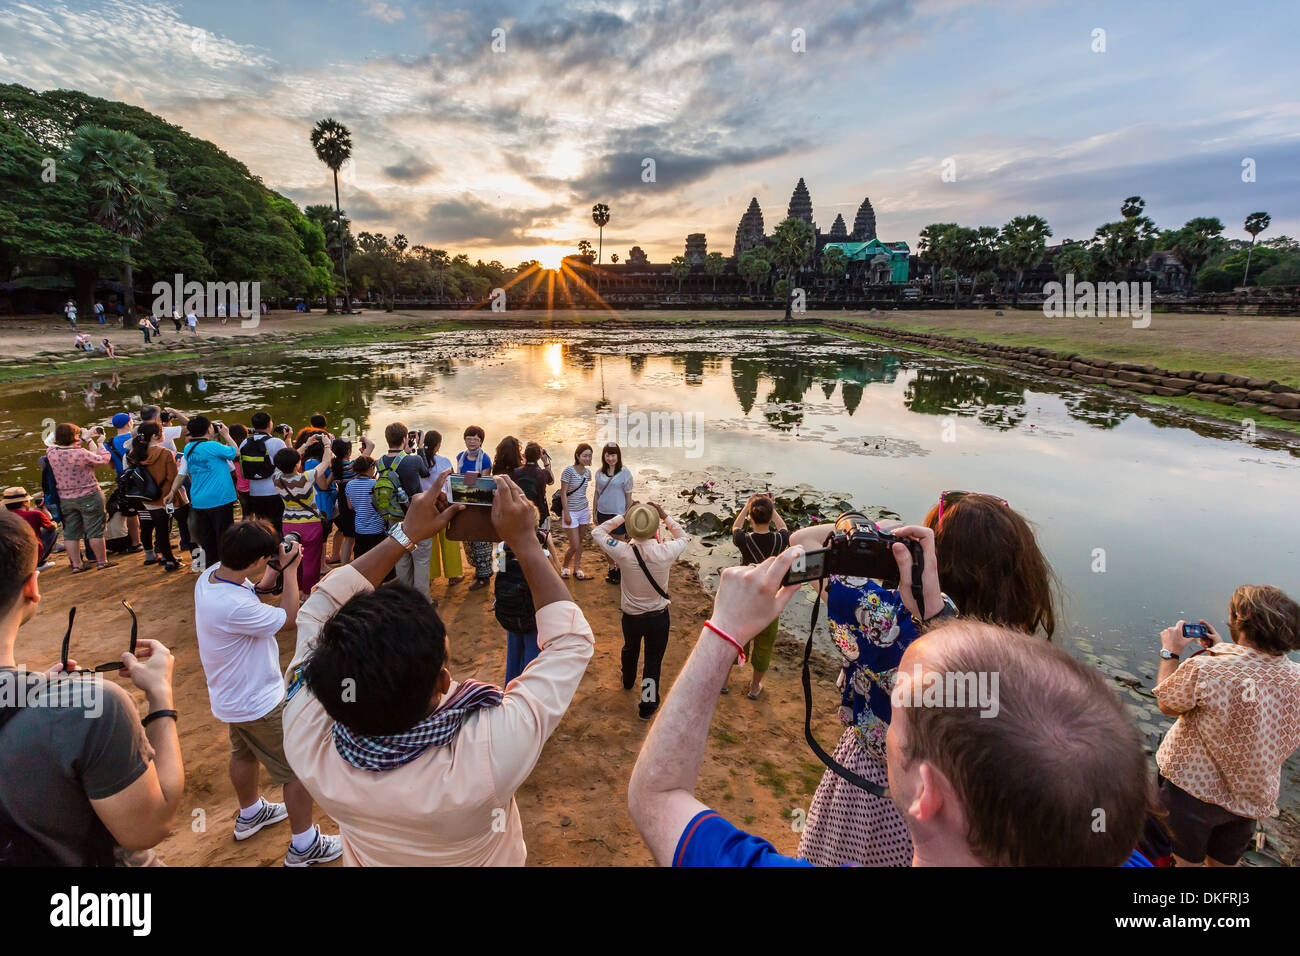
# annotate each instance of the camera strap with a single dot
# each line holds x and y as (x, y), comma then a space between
(806, 678)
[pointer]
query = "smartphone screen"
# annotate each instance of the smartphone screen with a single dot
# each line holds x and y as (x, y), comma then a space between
(1195, 630)
(480, 491)
(808, 567)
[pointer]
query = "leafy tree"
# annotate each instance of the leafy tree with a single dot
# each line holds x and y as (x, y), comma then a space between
(584, 248)
(332, 142)
(1256, 223)
(791, 246)
(680, 269)
(1194, 243)
(956, 252)
(715, 264)
(833, 264)
(1075, 259)
(1021, 246)
(613, 257)
(1132, 207)
(753, 268)
(128, 193)
(928, 249)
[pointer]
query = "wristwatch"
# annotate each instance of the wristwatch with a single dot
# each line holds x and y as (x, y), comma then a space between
(398, 534)
(1167, 654)
(948, 610)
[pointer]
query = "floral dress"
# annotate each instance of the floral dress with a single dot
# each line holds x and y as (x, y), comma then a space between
(846, 825)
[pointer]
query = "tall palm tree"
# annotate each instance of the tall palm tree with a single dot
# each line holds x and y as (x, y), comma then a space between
(1023, 241)
(1132, 207)
(928, 250)
(715, 264)
(600, 216)
(1256, 223)
(332, 142)
(128, 192)
(680, 269)
(792, 244)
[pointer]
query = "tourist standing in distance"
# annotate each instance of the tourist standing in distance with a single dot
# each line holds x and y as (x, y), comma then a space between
(70, 310)
(474, 462)
(575, 513)
(241, 664)
(767, 538)
(81, 503)
(207, 456)
(418, 768)
(99, 313)
(445, 559)
(80, 774)
(369, 524)
(147, 450)
(535, 477)
(1236, 706)
(407, 470)
(613, 495)
(645, 564)
(257, 462)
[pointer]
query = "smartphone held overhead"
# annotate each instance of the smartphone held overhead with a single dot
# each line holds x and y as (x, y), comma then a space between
(476, 491)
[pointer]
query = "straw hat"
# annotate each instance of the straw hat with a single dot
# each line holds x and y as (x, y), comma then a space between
(642, 522)
(15, 493)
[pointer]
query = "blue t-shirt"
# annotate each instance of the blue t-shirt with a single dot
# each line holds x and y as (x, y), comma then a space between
(326, 498)
(466, 462)
(368, 520)
(709, 840)
(211, 483)
(117, 448)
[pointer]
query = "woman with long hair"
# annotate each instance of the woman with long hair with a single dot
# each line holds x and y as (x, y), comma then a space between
(446, 560)
(147, 450)
(996, 573)
(344, 516)
(574, 509)
(613, 495)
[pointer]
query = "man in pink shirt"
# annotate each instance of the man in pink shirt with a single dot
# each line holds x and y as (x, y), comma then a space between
(416, 768)
(81, 503)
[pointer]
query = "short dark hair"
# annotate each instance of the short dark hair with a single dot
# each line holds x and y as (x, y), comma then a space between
(378, 659)
(19, 550)
(261, 421)
(362, 464)
(611, 448)
(286, 459)
(475, 430)
(238, 433)
(246, 542)
(149, 412)
(198, 426)
(532, 452)
(317, 420)
(761, 510)
(577, 452)
(395, 434)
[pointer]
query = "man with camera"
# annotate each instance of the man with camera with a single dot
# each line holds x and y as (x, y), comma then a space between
(417, 768)
(400, 472)
(955, 771)
(241, 663)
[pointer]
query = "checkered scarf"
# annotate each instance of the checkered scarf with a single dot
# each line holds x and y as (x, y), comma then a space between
(438, 729)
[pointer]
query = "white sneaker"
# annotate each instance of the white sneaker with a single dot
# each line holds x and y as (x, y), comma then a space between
(269, 814)
(326, 847)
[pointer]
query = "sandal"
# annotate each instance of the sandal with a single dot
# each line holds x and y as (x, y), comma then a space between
(564, 572)
(479, 583)
(106, 565)
(456, 580)
(758, 695)
(580, 576)
(84, 567)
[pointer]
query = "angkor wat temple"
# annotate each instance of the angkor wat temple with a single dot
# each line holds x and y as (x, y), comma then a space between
(750, 231)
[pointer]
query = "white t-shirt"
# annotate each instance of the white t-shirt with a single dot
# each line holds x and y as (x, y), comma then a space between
(241, 659)
(170, 433)
(440, 464)
(265, 487)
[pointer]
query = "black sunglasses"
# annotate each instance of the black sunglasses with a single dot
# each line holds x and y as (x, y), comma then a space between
(102, 668)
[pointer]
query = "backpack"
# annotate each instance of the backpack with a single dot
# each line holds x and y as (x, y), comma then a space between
(254, 461)
(388, 496)
(138, 484)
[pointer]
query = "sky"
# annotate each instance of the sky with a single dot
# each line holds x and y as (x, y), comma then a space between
(491, 128)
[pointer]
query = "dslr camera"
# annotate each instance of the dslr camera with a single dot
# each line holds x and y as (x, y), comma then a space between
(858, 548)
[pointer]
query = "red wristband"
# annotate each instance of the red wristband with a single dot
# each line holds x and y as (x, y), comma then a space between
(740, 651)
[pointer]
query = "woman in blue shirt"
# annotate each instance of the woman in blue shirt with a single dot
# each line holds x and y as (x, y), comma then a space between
(212, 485)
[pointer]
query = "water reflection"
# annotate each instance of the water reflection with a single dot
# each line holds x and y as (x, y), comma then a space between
(992, 399)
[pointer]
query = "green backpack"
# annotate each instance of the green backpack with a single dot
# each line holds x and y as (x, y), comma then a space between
(388, 496)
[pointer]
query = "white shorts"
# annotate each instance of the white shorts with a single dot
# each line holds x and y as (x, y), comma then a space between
(577, 518)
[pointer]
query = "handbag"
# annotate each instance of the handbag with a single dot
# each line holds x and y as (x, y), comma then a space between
(557, 506)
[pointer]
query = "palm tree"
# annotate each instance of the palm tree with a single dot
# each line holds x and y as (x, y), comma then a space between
(613, 257)
(715, 263)
(833, 264)
(792, 244)
(753, 268)
(927, 249)
(128, 192)
(332, 142)
(1132, 207)
(680, 269)
(1023, 242)
(1256, 223)
(600, 216)
(584, 247)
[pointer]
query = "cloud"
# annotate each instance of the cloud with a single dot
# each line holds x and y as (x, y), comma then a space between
(411, 170)
(382, 11)
(466, 219)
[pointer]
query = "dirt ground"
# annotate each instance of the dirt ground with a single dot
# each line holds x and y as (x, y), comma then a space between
(574, 806)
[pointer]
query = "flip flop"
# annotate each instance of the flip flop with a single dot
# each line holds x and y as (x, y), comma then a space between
(84, 567)
(106, 565)
(564, 572)
(758, 695)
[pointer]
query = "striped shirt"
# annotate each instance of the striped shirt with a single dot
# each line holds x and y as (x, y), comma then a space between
(579, 484)
(368, 520)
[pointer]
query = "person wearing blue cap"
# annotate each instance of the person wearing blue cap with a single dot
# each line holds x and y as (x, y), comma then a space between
(117, 448)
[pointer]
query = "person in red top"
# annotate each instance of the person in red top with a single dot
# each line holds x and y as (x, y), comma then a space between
(17, 500)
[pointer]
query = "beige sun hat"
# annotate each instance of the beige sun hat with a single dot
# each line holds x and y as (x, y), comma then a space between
(641, 521)
(15, 493)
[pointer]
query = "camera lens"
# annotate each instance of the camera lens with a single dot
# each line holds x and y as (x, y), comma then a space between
(292, 538)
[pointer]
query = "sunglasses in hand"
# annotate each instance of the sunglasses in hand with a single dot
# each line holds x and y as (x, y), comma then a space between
(69, 668)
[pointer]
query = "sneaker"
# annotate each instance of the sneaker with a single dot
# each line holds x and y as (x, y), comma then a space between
(269, 814)
(325, 848)
(46, 566)
(646, 711)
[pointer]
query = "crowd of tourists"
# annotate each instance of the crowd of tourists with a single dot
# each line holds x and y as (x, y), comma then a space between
(339, 541)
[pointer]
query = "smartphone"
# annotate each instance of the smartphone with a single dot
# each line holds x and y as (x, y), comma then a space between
(809, 566)
(1195, 630)
(461, 491)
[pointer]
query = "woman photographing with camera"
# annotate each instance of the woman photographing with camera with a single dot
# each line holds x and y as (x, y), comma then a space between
(992, 569)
